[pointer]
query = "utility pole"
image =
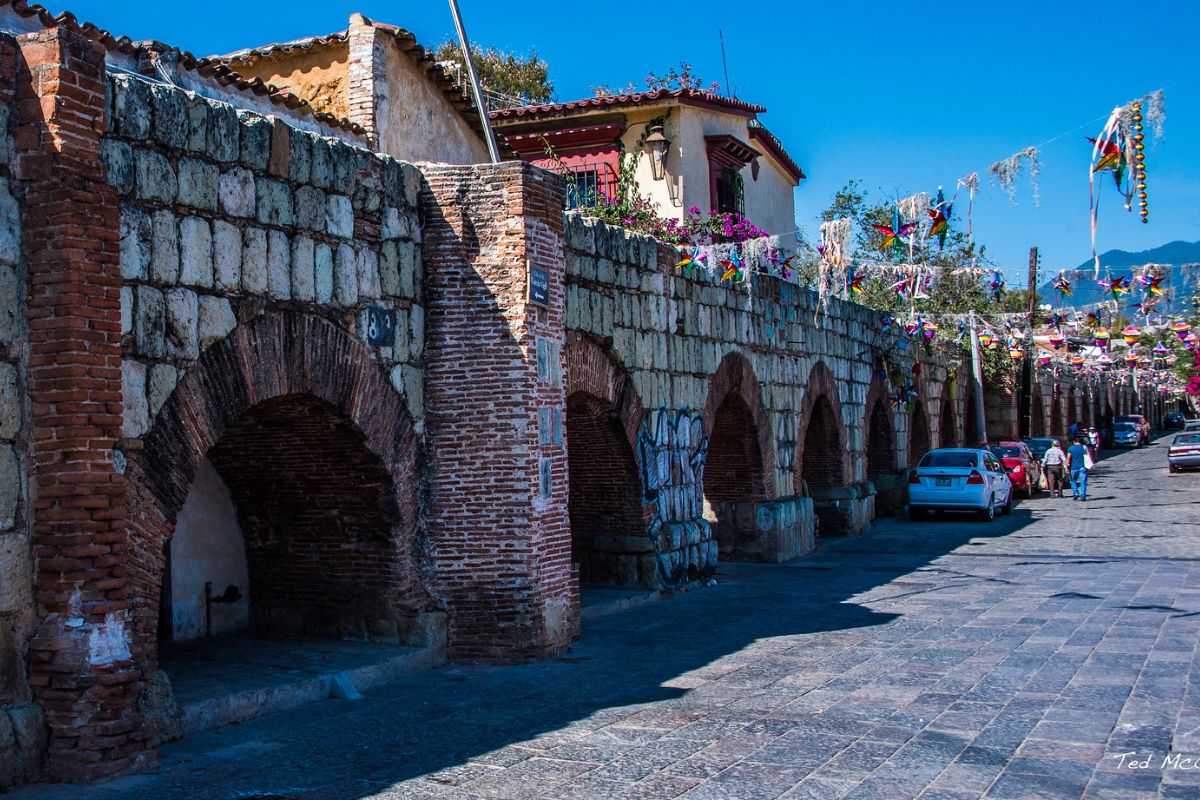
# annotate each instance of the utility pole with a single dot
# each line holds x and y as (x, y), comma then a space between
(489, 135)
(977, 385)
(1025, 418)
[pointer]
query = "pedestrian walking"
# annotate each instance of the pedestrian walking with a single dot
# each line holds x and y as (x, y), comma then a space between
(1078, 463)
(1054, 465)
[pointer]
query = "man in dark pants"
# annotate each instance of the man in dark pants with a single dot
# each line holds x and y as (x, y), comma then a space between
(1077, 465)
(1054, 464)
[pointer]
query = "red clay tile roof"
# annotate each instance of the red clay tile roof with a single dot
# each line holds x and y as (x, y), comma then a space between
(307, 43)
(693, 97)
(774, 148)
(205, 67)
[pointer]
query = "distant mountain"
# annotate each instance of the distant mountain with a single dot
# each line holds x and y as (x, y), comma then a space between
(1181, 283)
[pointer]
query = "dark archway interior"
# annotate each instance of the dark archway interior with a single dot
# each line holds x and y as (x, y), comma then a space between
(949, 431)
(1056, 417)
(608, 528)
(1037, 425)
(881, 442)
(918, 434)
(319, 518)
(733, 469)
(1072, 405)
(824, 462)
(972, 434)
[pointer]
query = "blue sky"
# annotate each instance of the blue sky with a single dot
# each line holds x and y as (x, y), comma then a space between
(902, 97)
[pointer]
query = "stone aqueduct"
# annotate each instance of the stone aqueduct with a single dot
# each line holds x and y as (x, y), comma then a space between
(187, 288)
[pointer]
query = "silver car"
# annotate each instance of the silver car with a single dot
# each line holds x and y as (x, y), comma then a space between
(1184, 452)
(958, 479)
(1126, 434)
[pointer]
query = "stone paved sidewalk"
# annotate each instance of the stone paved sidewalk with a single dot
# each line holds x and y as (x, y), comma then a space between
(943, 659)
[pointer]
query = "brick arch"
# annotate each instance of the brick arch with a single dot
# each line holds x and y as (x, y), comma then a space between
(301, 422)
(590, 369)
(1037, 413)
(879, 430)
(609, 518)
(822, 401)
(739, 433)
(1057, 428)
(948, 431)
(919, 440)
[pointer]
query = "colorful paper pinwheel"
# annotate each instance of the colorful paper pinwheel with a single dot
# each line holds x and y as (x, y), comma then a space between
(895, 235)
(1117, 286)
(854, 283)
(691, 260)
(1153, 284)
(939, 216)
(733, 268)
(785, 267)
(996, 284)
(1112, 158)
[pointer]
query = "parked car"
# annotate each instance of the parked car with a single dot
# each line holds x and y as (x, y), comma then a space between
(1143, 428)
(1174, 421)
(1040, 444)
(1184, 452)
(1191, 426)
(959, 479)
(1024, 471)
(1126, 434)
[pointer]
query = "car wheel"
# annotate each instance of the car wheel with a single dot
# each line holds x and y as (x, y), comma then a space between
(915, 513)
(988, 514)
(1008, 506)
(1172, 468)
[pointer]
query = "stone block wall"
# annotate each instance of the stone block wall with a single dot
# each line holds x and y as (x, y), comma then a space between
(679, 338)
(226, 214)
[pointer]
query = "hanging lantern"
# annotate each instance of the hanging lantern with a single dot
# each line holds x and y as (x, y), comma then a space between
(1077, 362)
(1057, 339)
(1101, 335)
(1044, 359)
(986, 337)
(1190, 341)
(1131, 357)
(1172, 359)
(1016, 352)
(930, 330)
(1131, 334)
(1160, 350)
(1181, 329)
(1104, 362)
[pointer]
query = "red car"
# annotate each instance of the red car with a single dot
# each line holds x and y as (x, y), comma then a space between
(1024, 471)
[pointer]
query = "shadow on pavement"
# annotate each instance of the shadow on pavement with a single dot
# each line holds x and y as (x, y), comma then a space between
(461, 721)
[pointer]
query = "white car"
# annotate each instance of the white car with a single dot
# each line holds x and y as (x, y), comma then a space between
(957, 479)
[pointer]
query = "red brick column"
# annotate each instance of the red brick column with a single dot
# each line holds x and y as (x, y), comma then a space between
(81, 668)
(500, 537)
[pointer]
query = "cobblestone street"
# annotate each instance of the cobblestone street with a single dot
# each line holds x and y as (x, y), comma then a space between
(1050, 654)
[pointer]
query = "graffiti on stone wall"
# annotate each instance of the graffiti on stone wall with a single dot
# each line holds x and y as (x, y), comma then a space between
(673, 446)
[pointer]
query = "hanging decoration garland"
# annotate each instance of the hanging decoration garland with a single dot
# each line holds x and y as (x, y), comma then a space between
(1004, 173)
(1120, 149)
